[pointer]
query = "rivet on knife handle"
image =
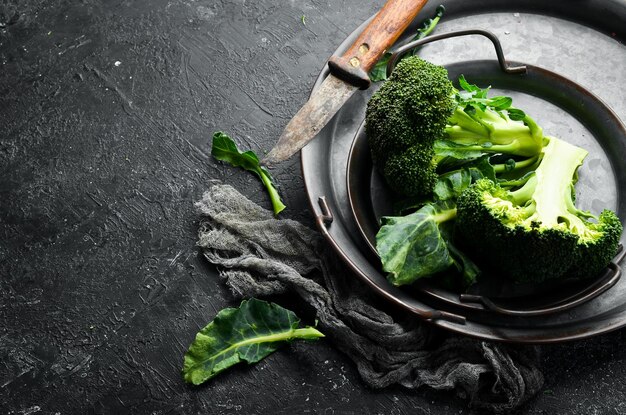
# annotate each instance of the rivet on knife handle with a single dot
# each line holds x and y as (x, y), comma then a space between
(373, 42)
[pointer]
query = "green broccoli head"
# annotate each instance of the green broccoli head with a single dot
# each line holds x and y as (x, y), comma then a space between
(599, 247)
(412, 171)
(535, 232)
(411, 107)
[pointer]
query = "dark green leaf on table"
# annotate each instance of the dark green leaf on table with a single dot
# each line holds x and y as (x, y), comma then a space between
(248, 333)
(225, 149)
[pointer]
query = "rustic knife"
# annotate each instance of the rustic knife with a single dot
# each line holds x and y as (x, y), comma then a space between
(347, 74)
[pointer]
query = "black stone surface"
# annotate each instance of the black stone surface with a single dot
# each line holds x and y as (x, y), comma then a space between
(106, 111)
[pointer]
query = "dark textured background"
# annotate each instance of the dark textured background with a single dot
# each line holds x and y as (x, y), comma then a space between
(101, 287)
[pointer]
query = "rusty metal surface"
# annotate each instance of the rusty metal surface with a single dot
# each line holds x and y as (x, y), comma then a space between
(331, 95)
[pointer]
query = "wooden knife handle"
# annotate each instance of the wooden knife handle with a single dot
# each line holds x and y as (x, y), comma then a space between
(373, 42)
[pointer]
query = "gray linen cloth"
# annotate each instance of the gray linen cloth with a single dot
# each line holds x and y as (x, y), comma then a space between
(259, 256)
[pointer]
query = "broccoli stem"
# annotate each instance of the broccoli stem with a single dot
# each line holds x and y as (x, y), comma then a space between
(489, 131)
(522, 164)
(277, 204)
(445, 216)
(464, 122)
(558, 168)
(535, 130)
(429, 26)
(547, 195)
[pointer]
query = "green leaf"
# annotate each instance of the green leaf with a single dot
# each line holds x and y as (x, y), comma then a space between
(412, 247)
(450, 149)
(500, 103)
(473, 97)
(225, 149)
(516, 114)
(248, 333)
(450, 185)
(379, 71)
(464, 265)
(467, 86)
(482, 168)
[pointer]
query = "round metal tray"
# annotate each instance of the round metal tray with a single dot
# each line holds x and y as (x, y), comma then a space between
(563, 39)
(371, 199)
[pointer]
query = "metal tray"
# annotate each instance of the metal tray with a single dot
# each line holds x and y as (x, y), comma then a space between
(526, 37)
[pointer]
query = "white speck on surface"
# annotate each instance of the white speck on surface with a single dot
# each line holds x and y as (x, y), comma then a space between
(515, 14)
(31, 410)
(506, 32)
(205, 13)
(117, 63)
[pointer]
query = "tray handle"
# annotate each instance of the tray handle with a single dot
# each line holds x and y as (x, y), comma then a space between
(608, 281)
(393, 59)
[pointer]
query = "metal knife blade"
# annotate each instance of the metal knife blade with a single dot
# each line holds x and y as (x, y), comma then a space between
(311, 118)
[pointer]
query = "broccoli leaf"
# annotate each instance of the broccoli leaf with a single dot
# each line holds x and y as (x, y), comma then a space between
(500, 103)
(471, 89)
(225, 149)
(482, 168)
(472, 96)
(420, 244)
(464, 265)
(516, 114)
(248, 333)
(412, 247)
(446, 148)
(379, 71)
(451, 185)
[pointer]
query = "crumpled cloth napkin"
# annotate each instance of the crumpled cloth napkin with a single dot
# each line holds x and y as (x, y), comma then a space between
(259, 256)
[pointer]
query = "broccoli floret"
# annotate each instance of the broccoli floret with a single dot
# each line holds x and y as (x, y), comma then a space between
(534, 232)
(410, 108)
(417, 119)
(401, 170)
